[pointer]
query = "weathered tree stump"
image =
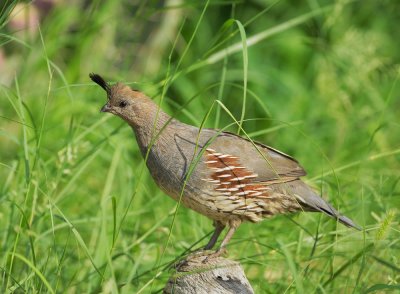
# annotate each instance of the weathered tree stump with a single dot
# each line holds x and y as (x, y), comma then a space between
(197, 274)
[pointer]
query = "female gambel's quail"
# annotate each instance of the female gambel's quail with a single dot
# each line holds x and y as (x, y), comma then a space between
(221, 175)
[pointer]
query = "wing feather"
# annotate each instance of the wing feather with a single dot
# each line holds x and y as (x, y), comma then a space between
(271, 164)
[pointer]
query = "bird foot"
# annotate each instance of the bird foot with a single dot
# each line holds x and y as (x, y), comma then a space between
(215, 254)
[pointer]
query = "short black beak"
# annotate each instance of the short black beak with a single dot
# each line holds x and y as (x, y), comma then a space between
(105, 108)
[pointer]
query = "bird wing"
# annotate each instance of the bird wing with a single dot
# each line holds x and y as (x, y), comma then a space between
(269, 164)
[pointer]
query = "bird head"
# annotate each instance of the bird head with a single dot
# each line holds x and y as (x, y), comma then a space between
(122, 101)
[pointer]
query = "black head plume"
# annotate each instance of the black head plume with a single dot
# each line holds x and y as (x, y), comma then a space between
(101, 82)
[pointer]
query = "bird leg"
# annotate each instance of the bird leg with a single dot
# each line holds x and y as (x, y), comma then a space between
(228, 236)
(219, 227)
(221, 248)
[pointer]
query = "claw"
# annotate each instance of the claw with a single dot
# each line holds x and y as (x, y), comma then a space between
(218, 253)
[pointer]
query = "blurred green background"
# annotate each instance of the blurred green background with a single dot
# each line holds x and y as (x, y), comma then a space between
(79, 213)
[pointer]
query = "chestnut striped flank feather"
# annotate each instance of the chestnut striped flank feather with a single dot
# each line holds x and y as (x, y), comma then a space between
(238, 192)
(231, 178)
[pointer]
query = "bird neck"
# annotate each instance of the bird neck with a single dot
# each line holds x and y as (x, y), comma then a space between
(154, 130)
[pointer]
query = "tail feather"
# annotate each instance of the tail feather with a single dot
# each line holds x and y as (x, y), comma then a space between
(341, 218)
(314, 202)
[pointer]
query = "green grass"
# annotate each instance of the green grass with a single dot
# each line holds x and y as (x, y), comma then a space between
(319, 80)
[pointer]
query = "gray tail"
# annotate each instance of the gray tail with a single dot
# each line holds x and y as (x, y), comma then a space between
(341, 218)
(313, 202)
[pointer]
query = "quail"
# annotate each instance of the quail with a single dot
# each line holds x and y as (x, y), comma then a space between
(228, 178)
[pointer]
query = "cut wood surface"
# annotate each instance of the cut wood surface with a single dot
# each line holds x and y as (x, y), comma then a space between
(197, 274)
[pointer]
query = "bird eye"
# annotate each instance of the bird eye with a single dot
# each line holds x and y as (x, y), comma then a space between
(123, 103)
